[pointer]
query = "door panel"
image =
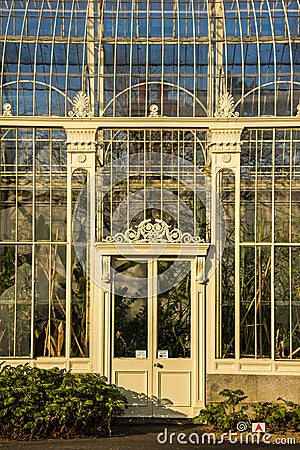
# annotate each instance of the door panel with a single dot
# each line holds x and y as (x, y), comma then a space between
(134, 381)
(153, 339)
(172, 375)
(131, 365)
(168, 387)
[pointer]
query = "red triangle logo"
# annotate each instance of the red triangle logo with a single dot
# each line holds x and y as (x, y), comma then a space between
(258, 427)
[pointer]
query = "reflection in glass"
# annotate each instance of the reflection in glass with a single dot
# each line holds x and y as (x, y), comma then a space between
(225, 280)
(130, 314)
(50, 305)
(174, 309)
(255, 308)
(80, 311)
(15, 300)
(173, 188)
(287, 303)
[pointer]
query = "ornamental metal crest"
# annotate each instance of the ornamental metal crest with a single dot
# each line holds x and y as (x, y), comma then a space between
(226, 107)
(156, 232)
(7, 110)
(81, 106)
(154, 111)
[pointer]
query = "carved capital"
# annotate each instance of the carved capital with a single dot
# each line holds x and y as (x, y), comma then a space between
(82, 141)
(225, 140)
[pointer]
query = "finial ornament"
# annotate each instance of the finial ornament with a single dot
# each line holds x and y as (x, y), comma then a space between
(154, 111)
(226, 107)
(81, 107)
(7, 110)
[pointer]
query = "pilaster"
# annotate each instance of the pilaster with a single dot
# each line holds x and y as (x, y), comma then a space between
(81, 154)
(224, 151)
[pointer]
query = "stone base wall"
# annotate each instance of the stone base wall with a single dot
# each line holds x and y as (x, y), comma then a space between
(258, 388)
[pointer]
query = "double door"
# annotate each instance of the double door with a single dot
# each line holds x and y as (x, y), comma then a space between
(155, 329)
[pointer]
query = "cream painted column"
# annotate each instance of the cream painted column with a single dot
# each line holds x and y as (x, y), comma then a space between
(81, 154)
(224, 147)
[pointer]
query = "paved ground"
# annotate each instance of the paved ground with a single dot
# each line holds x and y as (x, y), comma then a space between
(143, 437)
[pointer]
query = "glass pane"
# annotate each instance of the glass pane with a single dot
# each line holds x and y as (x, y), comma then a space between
(225, 284)
(130, 313)
(174, 309)
(255, 308)
(15, 300)
(7, 299)
(80, 312)
(23, 300)
(295, 302)
(247, 296)
(50, 300)
(287, 305)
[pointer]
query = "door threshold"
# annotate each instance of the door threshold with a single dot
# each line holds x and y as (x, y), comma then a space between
(137, 426)
(152, 420)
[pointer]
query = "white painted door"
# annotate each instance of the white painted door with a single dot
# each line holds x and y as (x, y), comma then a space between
(154, 351)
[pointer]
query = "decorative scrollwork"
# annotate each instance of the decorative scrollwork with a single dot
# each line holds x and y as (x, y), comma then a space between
(156, 232)
(298, 110)
(81, 107)
(226, 107)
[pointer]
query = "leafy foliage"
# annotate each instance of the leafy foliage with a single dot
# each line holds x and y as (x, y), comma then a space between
(39, 403)
(293, 414)
(273, 414)
(224, 415)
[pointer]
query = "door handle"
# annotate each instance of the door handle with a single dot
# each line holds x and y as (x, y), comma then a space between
(160, 366)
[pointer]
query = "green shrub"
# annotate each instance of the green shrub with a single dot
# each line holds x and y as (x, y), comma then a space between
(225, 416)
(38, 403)
(273, 414)
(292, 414)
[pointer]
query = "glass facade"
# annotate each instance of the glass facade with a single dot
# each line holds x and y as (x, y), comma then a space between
(128, 54)
(33, 208)
(149, 61)
(152, 174)
(270, 211)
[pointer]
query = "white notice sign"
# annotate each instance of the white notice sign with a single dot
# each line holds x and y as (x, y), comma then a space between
(141, 354)
(162, 353)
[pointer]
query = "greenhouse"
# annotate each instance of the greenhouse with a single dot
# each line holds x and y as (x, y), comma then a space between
(150, 195)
